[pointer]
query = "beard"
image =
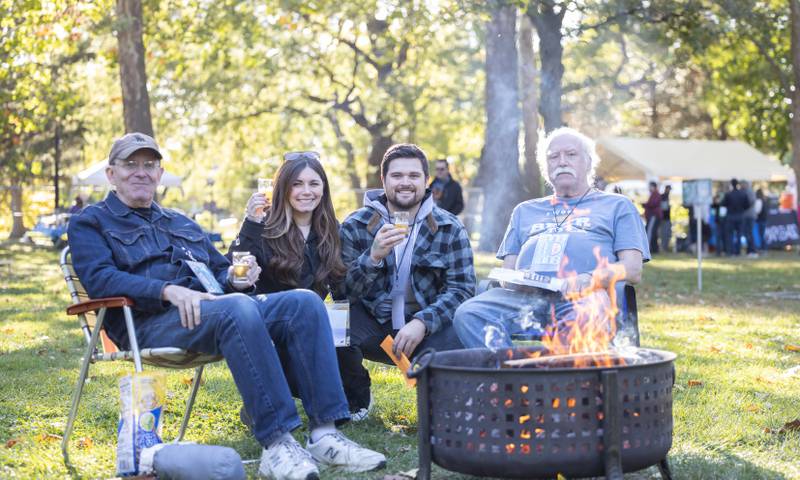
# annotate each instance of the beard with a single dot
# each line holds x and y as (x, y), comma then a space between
(404, 204)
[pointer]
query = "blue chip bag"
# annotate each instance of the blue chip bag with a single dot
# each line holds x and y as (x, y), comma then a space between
(142, 401)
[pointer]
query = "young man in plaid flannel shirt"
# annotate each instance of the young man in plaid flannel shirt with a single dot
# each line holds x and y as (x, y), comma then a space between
(401, 282)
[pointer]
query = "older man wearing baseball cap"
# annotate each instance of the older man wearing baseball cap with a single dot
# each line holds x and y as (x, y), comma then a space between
(128, 245)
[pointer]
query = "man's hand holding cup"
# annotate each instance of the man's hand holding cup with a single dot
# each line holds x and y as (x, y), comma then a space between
(385, 240)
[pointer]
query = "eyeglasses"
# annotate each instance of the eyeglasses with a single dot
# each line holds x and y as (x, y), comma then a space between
(131, 165)
(307, 155)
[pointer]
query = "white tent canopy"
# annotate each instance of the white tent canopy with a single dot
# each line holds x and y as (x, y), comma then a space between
(663, 159)
(96, 175)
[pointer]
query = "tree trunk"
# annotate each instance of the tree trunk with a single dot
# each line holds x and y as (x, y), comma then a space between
(548, 27)
(350, 154)
(135, 100)
(18, 226)
(499, 169)
(795, 122)
(380, 143)
(530, 106)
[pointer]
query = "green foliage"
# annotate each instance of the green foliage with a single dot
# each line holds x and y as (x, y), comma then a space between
(743, 49)
(41, 44)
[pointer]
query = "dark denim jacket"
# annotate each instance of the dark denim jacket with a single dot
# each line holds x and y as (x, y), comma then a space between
(116, 251)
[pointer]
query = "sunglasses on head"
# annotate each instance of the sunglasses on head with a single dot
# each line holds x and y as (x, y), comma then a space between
(308, 155)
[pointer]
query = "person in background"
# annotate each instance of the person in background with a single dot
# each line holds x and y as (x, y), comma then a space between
(666, 224)
(296, 243)
(749, 219)
(736, 203)
(762, 207)
(446, 191)
(77, 206)
(129, 246)
(652, 216)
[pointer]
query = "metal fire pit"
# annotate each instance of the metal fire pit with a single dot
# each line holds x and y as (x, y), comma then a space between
(480, 419)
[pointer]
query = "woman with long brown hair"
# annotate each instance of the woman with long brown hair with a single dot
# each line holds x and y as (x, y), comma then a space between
(295, 238)
(294, 235)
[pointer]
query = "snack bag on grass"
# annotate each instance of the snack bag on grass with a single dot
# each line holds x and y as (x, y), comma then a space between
(142, 402)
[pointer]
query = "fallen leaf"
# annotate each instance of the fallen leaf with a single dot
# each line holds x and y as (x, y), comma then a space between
(715, 349)
(694, 383)
(188, 380)
(85, 442)
(12, 442)
(752, 408)
(791, 348)
(793, 426)
(48, 437)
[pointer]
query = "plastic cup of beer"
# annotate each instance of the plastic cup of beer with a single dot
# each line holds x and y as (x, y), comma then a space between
(401, 221)
(265, 187)
(240, 267)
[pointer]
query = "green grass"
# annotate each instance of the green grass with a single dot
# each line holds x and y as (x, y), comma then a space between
(732, 339)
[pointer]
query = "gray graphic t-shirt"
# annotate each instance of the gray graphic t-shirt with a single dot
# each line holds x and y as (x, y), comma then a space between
(569, 235)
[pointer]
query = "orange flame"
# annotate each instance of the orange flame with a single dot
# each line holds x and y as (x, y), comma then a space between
(593, 325)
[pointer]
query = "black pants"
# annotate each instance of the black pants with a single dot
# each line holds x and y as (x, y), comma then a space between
(366, 335)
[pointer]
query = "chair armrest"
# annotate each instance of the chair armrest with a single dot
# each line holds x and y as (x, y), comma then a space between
(98, 303)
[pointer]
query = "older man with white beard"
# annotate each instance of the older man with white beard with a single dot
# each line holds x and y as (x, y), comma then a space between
(563, 235)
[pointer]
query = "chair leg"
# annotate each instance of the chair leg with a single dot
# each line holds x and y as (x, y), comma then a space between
(76, 395)
(198, 376)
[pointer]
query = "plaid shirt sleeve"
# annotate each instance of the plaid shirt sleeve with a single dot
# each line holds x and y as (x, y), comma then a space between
(361, 272)
(459, 282)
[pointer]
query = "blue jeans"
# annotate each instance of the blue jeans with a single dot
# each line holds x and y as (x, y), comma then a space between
(272, 344)
(509, 312)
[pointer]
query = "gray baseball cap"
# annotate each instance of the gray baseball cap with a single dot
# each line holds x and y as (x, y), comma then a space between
(129, 143)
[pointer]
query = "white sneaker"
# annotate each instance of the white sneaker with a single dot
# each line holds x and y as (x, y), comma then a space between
(362, 413)
(336, 450)
(287, 460)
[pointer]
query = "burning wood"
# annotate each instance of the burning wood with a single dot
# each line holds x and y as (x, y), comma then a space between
(592, 359)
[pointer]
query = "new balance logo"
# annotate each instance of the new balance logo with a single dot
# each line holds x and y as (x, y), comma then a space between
(331, 453)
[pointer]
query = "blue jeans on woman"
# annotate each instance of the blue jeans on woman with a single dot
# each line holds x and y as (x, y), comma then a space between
(272, 344)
